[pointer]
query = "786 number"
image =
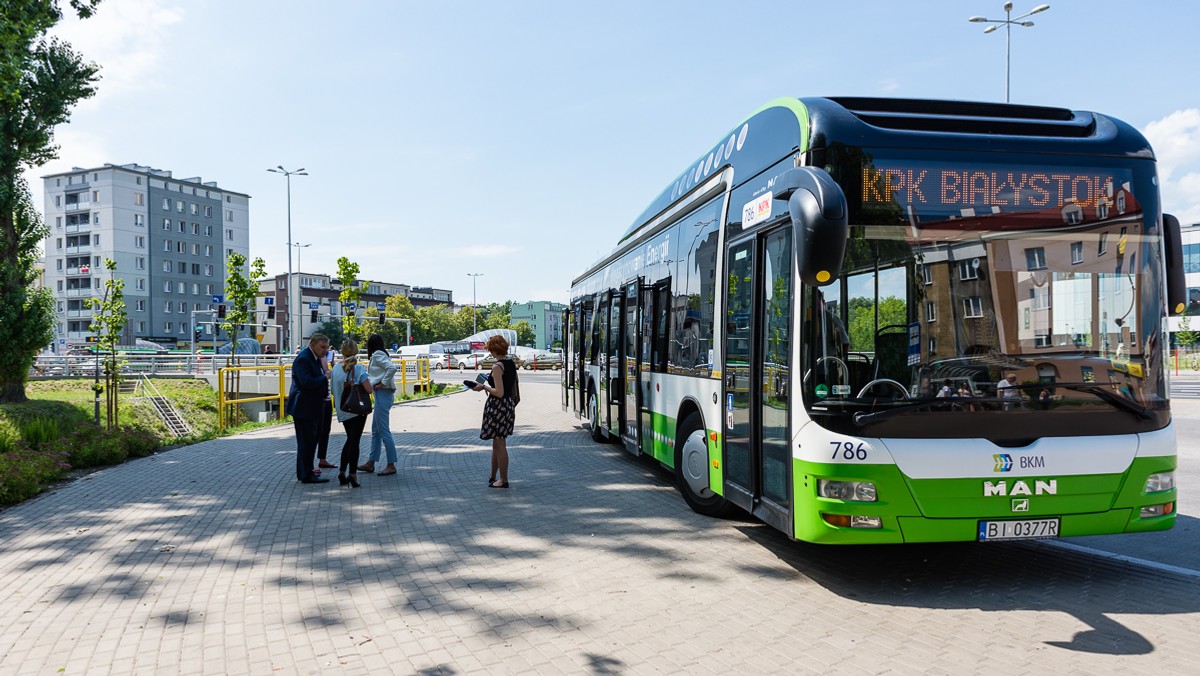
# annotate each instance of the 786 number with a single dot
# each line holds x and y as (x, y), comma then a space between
(848, 450)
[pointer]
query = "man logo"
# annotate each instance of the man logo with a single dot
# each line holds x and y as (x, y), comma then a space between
(1020, 487)
(1020, 505)
(1004, 462)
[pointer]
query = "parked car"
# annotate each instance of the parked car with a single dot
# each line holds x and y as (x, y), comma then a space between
(544, 360)
(439, 361)
(462, 362)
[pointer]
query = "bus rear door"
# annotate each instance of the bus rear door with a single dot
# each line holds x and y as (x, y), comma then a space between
(631, 335)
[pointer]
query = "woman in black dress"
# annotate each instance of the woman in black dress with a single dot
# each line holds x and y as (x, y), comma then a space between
(500, 411)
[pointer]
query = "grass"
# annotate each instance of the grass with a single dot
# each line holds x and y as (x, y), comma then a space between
(44, 438)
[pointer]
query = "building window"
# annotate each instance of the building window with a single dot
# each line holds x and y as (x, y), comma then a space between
(138, 199)
(141, 327)
(196, 290)
(140, 306)
(208, 271)
(166, 266)
(167, 306)
(1040, 298)
(195, 249)
(1102, 248)
(139, 220)
(181, 287)
(208, 231)
(196, 269)
(973, 307)
(932, 345)
(208, 290)
(179, 203)
(139, 263)
(166, 204)
(166, 224)
(1035, 258)
(139, 284)
(1041, 340)
(95, 240)
(968, 270)
(208, 250)
(1076, 253)
(208, 211)
(195, 228)
(167, 286)
(166, 245)
(930, 311)
(182, 307)
(95, 196)
(168, 327)
(180, 247)
(229, 233)
(60, 243)
(194, 208)
(926, 275)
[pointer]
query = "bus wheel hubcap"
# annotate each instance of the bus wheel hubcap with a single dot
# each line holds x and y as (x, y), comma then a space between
(695, 464)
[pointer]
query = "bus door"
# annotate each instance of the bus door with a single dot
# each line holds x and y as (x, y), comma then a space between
(613, 370)
(602, 351)
(655, 314)
(567, 372)
(631, 341)
(757, 378)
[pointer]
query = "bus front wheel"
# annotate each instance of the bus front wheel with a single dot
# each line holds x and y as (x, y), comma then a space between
(691, 470)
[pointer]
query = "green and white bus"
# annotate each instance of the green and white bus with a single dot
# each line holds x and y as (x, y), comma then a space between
(882, 320)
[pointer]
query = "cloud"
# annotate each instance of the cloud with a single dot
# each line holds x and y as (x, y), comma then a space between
(126, 38)
(1176, 142)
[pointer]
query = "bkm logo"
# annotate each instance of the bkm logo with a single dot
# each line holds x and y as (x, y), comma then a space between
(1004, 462)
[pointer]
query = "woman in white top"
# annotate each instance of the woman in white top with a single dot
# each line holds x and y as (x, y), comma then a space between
(381, 372)
(351, 373)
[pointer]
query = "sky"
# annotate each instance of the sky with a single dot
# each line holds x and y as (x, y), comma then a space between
(519, 140)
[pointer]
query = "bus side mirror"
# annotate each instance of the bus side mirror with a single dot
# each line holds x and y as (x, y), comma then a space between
(820, 219)
(1177, 301)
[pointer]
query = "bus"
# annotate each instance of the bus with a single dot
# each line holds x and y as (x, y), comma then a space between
(777, 325)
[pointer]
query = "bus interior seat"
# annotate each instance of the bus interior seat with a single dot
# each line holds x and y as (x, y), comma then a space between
(859, 366)
(891, 354)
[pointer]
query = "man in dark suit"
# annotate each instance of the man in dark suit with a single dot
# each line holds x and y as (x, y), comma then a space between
(306, 403)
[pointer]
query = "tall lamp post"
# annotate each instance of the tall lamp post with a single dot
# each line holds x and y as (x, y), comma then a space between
(291, 310)
(300, 298)
(474, 305)
(1008, 23)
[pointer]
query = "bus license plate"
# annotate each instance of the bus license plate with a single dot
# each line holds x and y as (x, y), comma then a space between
(1030, 529)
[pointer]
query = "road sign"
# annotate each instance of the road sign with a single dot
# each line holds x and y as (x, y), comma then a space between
(314, 306)
(218, 299)
(381, 306)
(269, 300)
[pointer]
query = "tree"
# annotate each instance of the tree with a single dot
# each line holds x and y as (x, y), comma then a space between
(1185, 335)
(525, 335)
(108, 323)
(332, 328)
(348, 276)
(40, 82)
(241, 294)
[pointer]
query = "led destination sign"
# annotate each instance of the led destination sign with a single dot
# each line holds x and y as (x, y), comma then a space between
(952, 187)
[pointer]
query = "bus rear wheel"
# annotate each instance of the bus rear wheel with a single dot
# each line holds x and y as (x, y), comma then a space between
(691, 470)
(594, 416)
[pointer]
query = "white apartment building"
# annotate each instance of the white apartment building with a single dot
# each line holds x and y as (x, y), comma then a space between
(169, 238)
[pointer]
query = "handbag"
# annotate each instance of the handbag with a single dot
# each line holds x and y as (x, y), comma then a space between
(355, 400)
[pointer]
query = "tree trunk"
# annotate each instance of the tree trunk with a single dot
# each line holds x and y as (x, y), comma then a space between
(12, 392)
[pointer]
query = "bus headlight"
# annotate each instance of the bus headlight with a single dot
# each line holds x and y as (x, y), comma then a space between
(857, 491)
(1163, 481)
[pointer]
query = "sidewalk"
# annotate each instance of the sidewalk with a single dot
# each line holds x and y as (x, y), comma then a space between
(212, 559)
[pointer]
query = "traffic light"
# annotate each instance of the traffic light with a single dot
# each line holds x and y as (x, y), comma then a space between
(382, 317)
(270, 312)
(197, 334)
(221, 311)
(314, 316)
(411, 339)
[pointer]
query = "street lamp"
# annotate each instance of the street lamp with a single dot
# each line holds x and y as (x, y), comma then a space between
(474, 305)
(290, 313)
(1008, 23)
(299, 271)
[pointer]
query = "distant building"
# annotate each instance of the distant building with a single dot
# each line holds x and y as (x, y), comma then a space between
(545, 317)
(1190, 235)
(169, 238)
(319, 294)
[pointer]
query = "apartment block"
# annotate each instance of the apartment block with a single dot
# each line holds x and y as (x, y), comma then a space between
(169, 238)
(545, 317)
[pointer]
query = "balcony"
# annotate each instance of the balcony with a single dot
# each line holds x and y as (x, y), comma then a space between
(79, 227)
(78, 293)
(79, 272)
(72, 314)
(86, 248)
(79, 335)
(71, 207)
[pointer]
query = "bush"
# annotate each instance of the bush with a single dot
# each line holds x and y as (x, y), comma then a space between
(24, 470)
(37, 431)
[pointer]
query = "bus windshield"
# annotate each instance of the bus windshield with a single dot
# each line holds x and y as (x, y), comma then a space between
(975, 291)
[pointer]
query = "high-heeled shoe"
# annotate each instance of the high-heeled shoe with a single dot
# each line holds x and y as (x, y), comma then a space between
(342, 479)
(354, 481)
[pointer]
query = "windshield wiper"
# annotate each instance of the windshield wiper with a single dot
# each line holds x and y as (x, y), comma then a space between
(863, 419)
(1141, 412)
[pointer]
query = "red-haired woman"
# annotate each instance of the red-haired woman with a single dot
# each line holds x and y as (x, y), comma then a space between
(500, 411)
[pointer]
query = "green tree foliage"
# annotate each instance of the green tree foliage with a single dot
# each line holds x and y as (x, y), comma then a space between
(862, 320)
(1185, 335)
(525, 335)
(351, 292)
(41, 80)
(108, 323)
(333, 329)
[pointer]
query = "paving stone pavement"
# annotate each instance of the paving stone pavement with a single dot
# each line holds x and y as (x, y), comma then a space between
(212, 559)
